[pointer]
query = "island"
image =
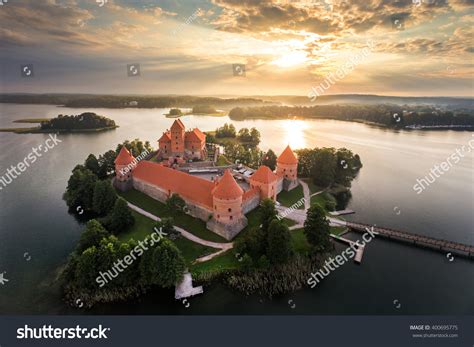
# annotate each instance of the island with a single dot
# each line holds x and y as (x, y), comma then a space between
(84, 122)
(156, 217)
(202, 110)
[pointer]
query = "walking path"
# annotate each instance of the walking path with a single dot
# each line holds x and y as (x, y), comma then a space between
(307, 197)
(186, 234)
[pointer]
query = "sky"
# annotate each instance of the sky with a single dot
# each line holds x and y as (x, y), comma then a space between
(286, 47)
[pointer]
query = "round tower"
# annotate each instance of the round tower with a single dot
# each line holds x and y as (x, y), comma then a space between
(124, 164)
(287, 164)
(227, 200)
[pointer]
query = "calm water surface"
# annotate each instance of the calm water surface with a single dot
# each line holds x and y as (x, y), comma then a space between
(35, 222)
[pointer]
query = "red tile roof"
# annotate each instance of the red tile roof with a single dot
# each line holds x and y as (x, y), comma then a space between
(227, 188)
(250, 193)
(287, 157)
(263, 175)
(124, 157)
(195, 135)
(166, 137)
(177, 123)
(189, 187)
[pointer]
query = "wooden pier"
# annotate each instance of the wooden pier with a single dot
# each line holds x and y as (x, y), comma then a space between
(415, 239)
(359, 248)
(185, 289)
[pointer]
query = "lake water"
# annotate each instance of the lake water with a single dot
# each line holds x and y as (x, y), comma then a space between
(37, 233)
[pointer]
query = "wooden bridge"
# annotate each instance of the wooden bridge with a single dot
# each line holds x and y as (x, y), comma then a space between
(419, 240)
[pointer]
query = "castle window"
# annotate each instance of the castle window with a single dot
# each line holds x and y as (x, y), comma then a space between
(231, 217)
(218, 216)
(176, 137)
(284, 170)
(215, 207)
(230, 210)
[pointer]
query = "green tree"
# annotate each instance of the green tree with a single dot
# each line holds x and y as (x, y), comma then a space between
(135, 147)
(120, 218)
(263, 262)
(324, 168)
(91, 236)
(92, 164)
(279, 243)
(175, 112)
(106, 164)
(175, 203)
(252, 243)
(268, 213)
(247, 263)
(254, 136)
(80, 189)
(163, 265)
(104, 197)
(270, 159)
(317, 230)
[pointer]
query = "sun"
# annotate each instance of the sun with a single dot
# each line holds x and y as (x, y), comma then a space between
(291, 59)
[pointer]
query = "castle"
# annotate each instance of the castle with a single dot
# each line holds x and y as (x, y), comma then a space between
(178, 144)
(221, 202)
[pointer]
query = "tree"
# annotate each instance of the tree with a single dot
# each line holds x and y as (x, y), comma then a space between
(120, 219)
(106, 164)
(244, 135)
(247, 263)
(254, 136)
(135, 147)
(263, 262)
(270, 159)
(279, 243)
(323, 170)
(91, 236)
(268, 213)
(164, 265)
(175, 203)
(80, 188)
(252, 243)
(317, 230)
(175, 112)
(104, 197)
(92, 163)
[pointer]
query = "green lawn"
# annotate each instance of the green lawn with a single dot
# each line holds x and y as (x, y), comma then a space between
(191, 224)
(321, 199)
(293, 196)
(144, 226)
(225, 261)
(299, 242)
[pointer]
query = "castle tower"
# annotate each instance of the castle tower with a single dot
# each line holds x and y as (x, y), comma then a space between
(177, 133)
(227, 199)
(266, 181)
(287, 167)
(124, 164)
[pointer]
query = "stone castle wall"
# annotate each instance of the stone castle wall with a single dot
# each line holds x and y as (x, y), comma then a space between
(162, 195)
(249, 204)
